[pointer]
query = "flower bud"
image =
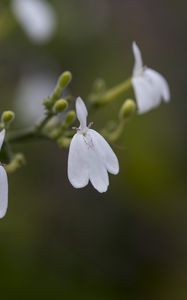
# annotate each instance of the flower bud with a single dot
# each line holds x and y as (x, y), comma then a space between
(60, 105)
(7, 116)
(70, 117)
(128, 109)
(62, 83)
(65, 79)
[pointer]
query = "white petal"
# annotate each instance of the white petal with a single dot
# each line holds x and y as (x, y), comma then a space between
(97, 170)
(138, 63)
(147, 95)
(37, 18)
(2, 137)
(105, 152)
(3, 192)
(77, 162)
(82, 112)
(160, 82)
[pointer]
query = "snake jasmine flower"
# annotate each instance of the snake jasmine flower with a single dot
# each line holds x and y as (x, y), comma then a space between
(150, 87)
(3, 183)
(90, 156)
(37, 18)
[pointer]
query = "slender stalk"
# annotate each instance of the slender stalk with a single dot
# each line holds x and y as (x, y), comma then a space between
(25, 137)
(44, 122)
(31, 133)
(111, 94)
(117, 132)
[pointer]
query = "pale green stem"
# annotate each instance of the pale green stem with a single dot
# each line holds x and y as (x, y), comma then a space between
(24, 136)
(111, 94)
(115, 134)
(32, 133)
(44, 122)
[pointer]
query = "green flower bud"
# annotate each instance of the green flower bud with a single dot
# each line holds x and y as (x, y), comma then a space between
(70, 117)
(128, 109)
(7, 116)
(62, 83)
(65, 79)
(60, 105)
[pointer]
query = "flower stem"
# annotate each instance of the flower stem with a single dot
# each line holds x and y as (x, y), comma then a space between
(44, 122)
(24, 136)
(111, 94)
(30, 134)
(115, 134)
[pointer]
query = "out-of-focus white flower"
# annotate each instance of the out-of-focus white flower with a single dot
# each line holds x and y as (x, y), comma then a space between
(37, 18)
(31, 91)
(90, 156)
(3, 183)
(150, 87)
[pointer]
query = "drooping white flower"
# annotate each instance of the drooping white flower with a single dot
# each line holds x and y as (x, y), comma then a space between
(3, 183)
(90, 156)
(37, 18)
(150, 87)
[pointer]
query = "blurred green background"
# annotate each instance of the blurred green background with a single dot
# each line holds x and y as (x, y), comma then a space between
(57, 242)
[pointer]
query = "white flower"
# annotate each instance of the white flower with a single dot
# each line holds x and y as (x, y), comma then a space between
(90, 156)
(150, 87)
(3, 183)
(32, 89)
(37, 18)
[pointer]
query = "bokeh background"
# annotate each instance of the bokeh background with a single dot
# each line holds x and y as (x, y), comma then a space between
(57, 242)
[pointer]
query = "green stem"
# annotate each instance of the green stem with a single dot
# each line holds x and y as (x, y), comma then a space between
(30, 134)
(115, 134)
(25, 136)
(44, 122)
(112, 93)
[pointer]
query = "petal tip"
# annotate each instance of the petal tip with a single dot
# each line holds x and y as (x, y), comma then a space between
(2, 137)
(79, 101)
(102, 190)
(3, 213)
(135, 47)
(81, 111)
(134, 44)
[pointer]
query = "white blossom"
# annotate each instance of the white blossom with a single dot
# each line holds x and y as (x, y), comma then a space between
(90, 156)
(150, 87)
(31, 90)
(37, 18)
(3, 183)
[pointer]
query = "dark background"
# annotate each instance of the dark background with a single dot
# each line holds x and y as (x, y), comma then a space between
(57, 242)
